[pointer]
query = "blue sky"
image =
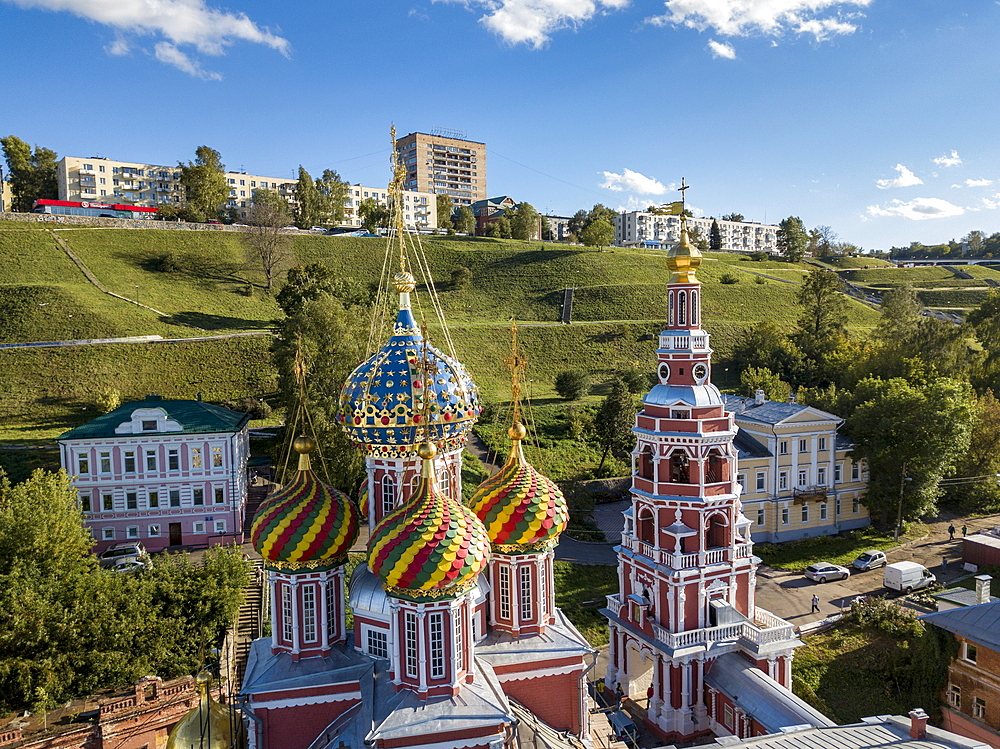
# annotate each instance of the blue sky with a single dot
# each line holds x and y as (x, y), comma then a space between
(874, 117)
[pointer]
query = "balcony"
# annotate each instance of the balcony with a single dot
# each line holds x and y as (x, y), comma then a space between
(766, 630)
(683, 342)
(685, 561)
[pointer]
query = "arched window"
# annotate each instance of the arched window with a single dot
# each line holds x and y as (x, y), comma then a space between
(388, 494)
(646, 526)
(680, 469)
(670, 308)
(718, 532)
(694, 309)
(718, 468)
(646, 466)
(682, 309)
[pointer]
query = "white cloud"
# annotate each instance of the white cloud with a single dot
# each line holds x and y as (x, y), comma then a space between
(721, 49)
(532, 22)
(917, 209)
(952, 160)
(819, 18)
(978, 182)
(629, 181)
(906, 178)
(179, 22)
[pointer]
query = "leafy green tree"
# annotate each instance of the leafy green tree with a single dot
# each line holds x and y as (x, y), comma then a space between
(499, 228)
(635, 380)
(204, 181)
(715, 237)
(32, 174)
(445, 207)
(334, 193)
(911, 436)
(577, 222)
(524, 222)
(599, 233)
(733, 217)
(753, 379)
(309, 204)
(601, 212)
(373, 215)
(697, 238)
(572, 384)
(266, 244)
(981, 459)
(465, 221)
(792, 239)
(822, 323)
(613, 422)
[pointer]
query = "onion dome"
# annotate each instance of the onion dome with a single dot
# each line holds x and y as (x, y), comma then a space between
(683, 259)
(430, 548)
(363, 497)
(522, 510)
(382, 403)
(209, 725)
(306, 525)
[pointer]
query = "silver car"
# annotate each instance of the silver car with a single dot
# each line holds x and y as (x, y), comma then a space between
(869, 560)
(823, 571)
(120, 552)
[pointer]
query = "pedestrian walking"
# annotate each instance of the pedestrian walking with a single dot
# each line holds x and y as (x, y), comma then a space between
(965, 530)
(944, 564)
(815, 603)
(951, 532)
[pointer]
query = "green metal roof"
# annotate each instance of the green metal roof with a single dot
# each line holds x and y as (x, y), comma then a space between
(195, 417)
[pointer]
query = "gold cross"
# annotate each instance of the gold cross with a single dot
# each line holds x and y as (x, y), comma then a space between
(516, 363)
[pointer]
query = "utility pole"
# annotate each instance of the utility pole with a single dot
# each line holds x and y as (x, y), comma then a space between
(899, 511)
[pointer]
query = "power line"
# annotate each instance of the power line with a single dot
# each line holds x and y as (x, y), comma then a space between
(544, 174)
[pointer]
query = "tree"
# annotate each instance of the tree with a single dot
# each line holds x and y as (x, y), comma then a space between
(598, 233)
(760, 378)
(823, 320)
(264, 240)
(524, 222)
(204, 181)
(572, 384)
(822, 242)
(715, 237)
(309, 204)
(613, 422)
(334, 193)
(733, 217)
(696, 238)
(981, 459)
(465, 221)
(792, 239)
(766, 346)
(444, 211)
(911, 436)
(373, 215)
(461, 277)
(32, 175)
(577, 222)
(499, 228)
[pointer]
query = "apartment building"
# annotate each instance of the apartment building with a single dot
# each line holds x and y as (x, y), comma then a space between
(640, 228)
(419, 208)
(444, 162)
(150, 185)
(6, 194)
(798, 480)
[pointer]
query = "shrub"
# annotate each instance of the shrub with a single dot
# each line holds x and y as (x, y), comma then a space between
(572, 384)
(729, 278)
(758, 255)
(461, 277)
(877, 612)
(258, 408)
(166, 262)
(579, 420)
(759, 279)
(636, 380)
(108, 400)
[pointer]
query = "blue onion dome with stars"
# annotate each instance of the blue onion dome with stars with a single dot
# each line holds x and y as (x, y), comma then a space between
(382, 404)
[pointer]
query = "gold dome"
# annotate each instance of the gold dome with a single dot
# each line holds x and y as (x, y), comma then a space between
(404, 282)
(683, 260)
(208, 726)
(517, 431)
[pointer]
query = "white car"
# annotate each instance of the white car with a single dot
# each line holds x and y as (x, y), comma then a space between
(823, 571)
(129, 565)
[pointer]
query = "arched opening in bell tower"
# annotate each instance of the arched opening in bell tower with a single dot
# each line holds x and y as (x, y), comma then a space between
(682, 309)
(717, 533)
(645, 465)
(680, 467)
(718, 468)
(646, 526)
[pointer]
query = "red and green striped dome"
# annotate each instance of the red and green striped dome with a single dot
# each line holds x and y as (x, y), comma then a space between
(521, 509)
(432, 547)
(306, 525)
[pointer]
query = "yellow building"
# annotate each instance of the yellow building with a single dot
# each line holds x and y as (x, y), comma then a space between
(797, 478)
(419, 208)
(6, 195)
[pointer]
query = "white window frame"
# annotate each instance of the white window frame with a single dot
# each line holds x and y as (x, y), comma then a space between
(504, 574)
(955, 696)
(107, 534)
(195, 457)
(822, 443)
(132, 531)
(761, 516)
(524, 579)
(979, 708)
(741, 479)
(309, 632)
(838, 473)
(388, 494)
(129, 457)
(286, 613)
(153, 531)
(855, 471)
(803, 479)
(198, 527)
(410, 642)
(761, 479)
(822, 511)
(104, 462)
(805, 513)
(220, 526)
(435, 632)
(785, 515)
(970, 652)
(377, 643)
(217, 457)
(821, 476)
(783, 447)
(783, 481)
(83, 464)
(803, 445)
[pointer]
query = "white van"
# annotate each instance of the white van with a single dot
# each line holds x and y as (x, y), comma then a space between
(907, 576)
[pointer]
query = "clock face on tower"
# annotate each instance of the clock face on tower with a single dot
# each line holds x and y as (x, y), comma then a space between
(700, 372)
(663, 373)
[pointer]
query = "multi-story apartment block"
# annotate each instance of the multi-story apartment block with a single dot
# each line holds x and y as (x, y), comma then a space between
(798, 480)
(653, 229)
(559, 226)
(150, 185)
(168, 472)
(444, 162)
(419, 208)
(973, 693)
(6, 194)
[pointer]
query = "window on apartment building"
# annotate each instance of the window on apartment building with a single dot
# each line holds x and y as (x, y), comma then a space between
(253, 183)
(979, 708)
(103, 180)
(232, 181)
(761, 481)
(175, 497)
(220, 495)
(220, 526)
(132, 531)
(130, 461)
(838, 473)
(803, 445)
(107, 501)
(199, 527)
(153, 500)
(84, 502)
(822, 443)
(217, 457)
(82, 465)
(100, 167)
(803, 477)
(821, 476)
(782, 480)
(856, 506)
(131, 501)
(855, 471)
(107, 534)
(760, 516)
(378, 644)
(151, 460)
(173, 460)
(784, 516)
(783, 447)
(114, 170)
(104, 193)
(822, 510)
(198, 496)
(955, 696)
(970, 652)
(741, 479)
(243, 182)
(805, 513)
(105, 462)
(196, 457)
(153, 530)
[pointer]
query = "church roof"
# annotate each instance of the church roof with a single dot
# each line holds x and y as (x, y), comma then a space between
(771, 412)
(981, 623)
(188, 417)
(519, 506)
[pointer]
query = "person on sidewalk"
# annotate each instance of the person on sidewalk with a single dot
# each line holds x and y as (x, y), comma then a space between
(944, 565)
(951, 531)
(965, 530)
(815, 603)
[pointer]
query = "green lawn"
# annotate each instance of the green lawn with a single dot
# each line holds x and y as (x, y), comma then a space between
(840, 549)
(580, 593)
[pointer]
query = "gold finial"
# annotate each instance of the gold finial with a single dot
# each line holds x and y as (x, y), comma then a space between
(404, 282)
(684, 258)
(426, 450)
(304, 445)
(396, 198)
(516, 363)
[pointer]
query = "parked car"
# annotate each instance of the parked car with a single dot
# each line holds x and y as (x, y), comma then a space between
(823, 571)
(870, 560)
(120, 552)
(907, 577)
(128, 565)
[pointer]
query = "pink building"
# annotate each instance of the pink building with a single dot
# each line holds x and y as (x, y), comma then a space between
(166, 472)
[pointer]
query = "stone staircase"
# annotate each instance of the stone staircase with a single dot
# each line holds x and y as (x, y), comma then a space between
(248, 627)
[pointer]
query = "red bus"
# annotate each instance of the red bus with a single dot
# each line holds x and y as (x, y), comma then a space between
(90, 208)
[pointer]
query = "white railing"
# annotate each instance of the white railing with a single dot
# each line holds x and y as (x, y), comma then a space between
(744, 550)
(614, 604)
(699, 341)
(716, 556)
(684, 561)
(753, 634)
